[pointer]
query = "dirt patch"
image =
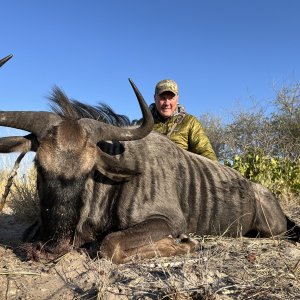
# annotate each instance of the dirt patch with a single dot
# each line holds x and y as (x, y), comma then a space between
(223, 268)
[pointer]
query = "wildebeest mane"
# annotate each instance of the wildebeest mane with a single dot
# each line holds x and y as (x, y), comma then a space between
(74, 109)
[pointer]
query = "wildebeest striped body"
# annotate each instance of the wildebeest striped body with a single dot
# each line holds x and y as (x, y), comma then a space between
(130, 189)
(191, 192)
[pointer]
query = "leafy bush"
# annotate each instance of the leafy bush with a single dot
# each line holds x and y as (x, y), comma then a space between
(262, 142)
(280, 175)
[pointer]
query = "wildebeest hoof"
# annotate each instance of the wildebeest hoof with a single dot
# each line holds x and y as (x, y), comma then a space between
(189, 240)
(183, 238)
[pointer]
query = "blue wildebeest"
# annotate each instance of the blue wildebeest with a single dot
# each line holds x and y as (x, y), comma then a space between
(128, 188)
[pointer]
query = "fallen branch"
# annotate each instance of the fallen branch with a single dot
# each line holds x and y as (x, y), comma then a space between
(15, 272)
(12, 174)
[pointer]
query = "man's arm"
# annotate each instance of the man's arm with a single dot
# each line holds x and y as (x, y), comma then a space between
(199, 142)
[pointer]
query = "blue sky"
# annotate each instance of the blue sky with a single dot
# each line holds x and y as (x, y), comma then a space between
(219, 51)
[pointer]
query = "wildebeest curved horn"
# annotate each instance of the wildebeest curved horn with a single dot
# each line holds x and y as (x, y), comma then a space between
(102, 131)
(5, 59)
(36, 122)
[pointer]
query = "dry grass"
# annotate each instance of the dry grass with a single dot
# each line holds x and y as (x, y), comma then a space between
(223, 268)
(22, 198)
(4, 173)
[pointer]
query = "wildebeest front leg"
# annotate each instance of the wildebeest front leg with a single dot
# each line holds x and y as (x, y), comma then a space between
(148, 239)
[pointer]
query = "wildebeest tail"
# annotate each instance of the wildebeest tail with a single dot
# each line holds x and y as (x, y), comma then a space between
(293, 230)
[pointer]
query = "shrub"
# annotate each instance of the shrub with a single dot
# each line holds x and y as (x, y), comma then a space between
(280, 175)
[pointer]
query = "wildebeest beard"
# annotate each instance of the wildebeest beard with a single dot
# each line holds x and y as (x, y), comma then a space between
(61, 200)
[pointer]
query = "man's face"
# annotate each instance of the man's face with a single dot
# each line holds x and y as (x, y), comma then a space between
(166, 103)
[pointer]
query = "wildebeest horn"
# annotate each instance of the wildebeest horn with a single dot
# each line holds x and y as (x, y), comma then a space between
(104, 131)
(5, 59)
(36, 122)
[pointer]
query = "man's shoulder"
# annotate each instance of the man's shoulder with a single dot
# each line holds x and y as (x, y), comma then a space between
(192, 122)
(190, 118)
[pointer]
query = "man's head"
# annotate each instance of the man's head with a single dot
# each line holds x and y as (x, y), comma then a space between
(166, 97)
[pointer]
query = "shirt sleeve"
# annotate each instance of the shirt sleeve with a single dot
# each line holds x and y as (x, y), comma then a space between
(199, 142)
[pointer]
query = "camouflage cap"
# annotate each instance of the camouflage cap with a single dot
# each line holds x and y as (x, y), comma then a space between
(166, 85)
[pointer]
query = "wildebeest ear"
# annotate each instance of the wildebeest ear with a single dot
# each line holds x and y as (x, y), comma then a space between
(18, 144)
(112, 168)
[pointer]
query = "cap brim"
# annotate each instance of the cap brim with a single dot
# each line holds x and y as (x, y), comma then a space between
(165, 90)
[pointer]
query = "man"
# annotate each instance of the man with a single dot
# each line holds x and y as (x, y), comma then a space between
(171, 120)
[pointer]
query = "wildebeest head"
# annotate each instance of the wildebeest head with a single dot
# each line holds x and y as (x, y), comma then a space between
(67, 156)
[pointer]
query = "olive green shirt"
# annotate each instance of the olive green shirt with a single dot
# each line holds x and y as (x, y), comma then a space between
(188, 133)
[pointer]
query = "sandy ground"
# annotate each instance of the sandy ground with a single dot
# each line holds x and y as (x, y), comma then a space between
(224, 268)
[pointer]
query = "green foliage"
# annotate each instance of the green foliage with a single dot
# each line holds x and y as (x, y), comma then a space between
(280, 175)
(263, 141)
